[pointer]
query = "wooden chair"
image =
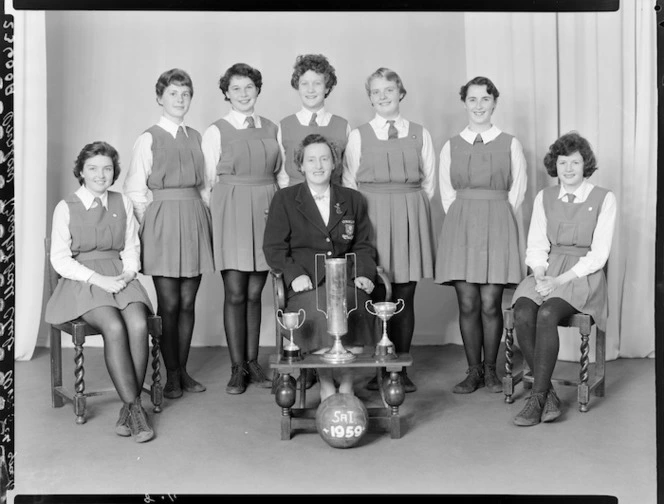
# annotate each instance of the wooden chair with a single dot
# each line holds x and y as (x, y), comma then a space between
(79, 330)
(591, 376)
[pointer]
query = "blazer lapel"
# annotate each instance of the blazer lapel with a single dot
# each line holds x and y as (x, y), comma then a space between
(337, 207)
(307, 206)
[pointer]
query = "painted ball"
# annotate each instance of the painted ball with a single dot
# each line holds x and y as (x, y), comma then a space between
(342, 420)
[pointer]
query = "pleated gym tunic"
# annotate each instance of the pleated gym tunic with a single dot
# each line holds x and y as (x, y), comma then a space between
(239, 202)
(570, 228)
(97, 239)
(176, 234)
(390, 176)
(479, 240)
(293, 132)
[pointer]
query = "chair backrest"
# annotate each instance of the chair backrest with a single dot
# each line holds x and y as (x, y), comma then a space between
(51, 275)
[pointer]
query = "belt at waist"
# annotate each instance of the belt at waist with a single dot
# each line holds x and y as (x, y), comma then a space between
(245, 181)
(185, 193)
(389, 187)
(97, 254)
(481, 194)
(569, 250)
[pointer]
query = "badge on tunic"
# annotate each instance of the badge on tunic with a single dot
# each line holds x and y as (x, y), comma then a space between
(349, 226)
(337, 207)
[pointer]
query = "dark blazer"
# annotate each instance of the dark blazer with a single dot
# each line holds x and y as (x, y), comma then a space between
(295, 232)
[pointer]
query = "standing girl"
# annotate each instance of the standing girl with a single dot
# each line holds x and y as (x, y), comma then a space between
(313, 78)
(391, 162)
(482, 184)
(165, 180)
(241, 161)
(96, 250)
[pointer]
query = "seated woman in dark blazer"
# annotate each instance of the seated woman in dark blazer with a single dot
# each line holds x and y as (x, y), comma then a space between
(316, 217)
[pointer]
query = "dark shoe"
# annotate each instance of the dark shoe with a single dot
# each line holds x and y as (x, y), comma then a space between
(257, 376)
(189, 384)
(408, 385)
(122, 425)
(551, 407)
(173, 387)
(238, 382)
(531, 414)
(491, 380)
(373, 384)
(139, 424)
(472, 382)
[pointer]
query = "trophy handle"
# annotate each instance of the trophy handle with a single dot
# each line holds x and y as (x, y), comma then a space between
(354, 277)
(368, 304)
(304, 315)
(403, 305)
(280, 312)
(316, 280)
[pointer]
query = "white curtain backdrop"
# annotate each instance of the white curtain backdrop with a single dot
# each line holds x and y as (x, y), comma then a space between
(594, 73)
(30, 175)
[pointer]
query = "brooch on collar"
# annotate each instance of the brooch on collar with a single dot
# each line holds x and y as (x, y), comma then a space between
(337, 207)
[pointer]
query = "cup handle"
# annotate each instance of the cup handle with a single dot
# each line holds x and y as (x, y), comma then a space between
(367, 305)
(304, 315)
(403, 305)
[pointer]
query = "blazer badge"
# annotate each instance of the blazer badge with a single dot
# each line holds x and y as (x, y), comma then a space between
(349, 227)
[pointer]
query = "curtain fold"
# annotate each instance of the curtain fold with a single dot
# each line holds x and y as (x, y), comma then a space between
(30, 176)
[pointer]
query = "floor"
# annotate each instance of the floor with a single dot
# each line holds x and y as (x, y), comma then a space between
(452, 445)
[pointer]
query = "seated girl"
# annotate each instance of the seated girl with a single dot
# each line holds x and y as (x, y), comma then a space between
(568, 245)
(316, 217)
(96, 250)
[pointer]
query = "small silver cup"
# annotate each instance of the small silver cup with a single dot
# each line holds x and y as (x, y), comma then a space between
(384, 311)
(291, 321)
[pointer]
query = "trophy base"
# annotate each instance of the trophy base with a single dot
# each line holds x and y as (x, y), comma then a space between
(338, 358)
(291, 355)
(384, 353)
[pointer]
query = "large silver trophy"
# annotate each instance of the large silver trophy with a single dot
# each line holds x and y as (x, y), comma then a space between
(291, 321)
(337, 305)
(385, 311)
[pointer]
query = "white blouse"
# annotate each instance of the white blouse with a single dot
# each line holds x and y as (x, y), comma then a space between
(61, 255)
(537, 251)
(519, 178)
(380, 127)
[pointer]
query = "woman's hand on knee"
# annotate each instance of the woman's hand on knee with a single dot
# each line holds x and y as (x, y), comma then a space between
(365, 284)
(302, 283)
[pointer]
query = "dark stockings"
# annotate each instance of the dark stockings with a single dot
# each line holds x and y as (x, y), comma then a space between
(537, 333)
(242, 312)
(480, 320)
(125, 335)
(176, 298)
(401, 325)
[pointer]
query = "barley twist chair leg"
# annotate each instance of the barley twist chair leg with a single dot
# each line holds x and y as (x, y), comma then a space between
(156, 390)
(79, 385)
(583, 390)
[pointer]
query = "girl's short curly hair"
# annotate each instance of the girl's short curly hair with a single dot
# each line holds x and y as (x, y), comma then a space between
(316, 63)
(316, 138)
(240, 70)
(93, 149)
(389, 75)
(566, 145)
(173, 76)
(479, 81)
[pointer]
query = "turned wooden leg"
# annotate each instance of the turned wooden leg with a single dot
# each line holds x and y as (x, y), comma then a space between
(600, 360)
(394, 396)
(56, 367)
(284, 396)
(79, 384)
(156, 389)
(583, 392)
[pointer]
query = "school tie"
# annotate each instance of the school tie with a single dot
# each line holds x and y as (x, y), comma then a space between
(570, 198)
(478, 139)
(313, 122)
(250, 122)
(180, 134)
(97, 210)
(392, 133)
